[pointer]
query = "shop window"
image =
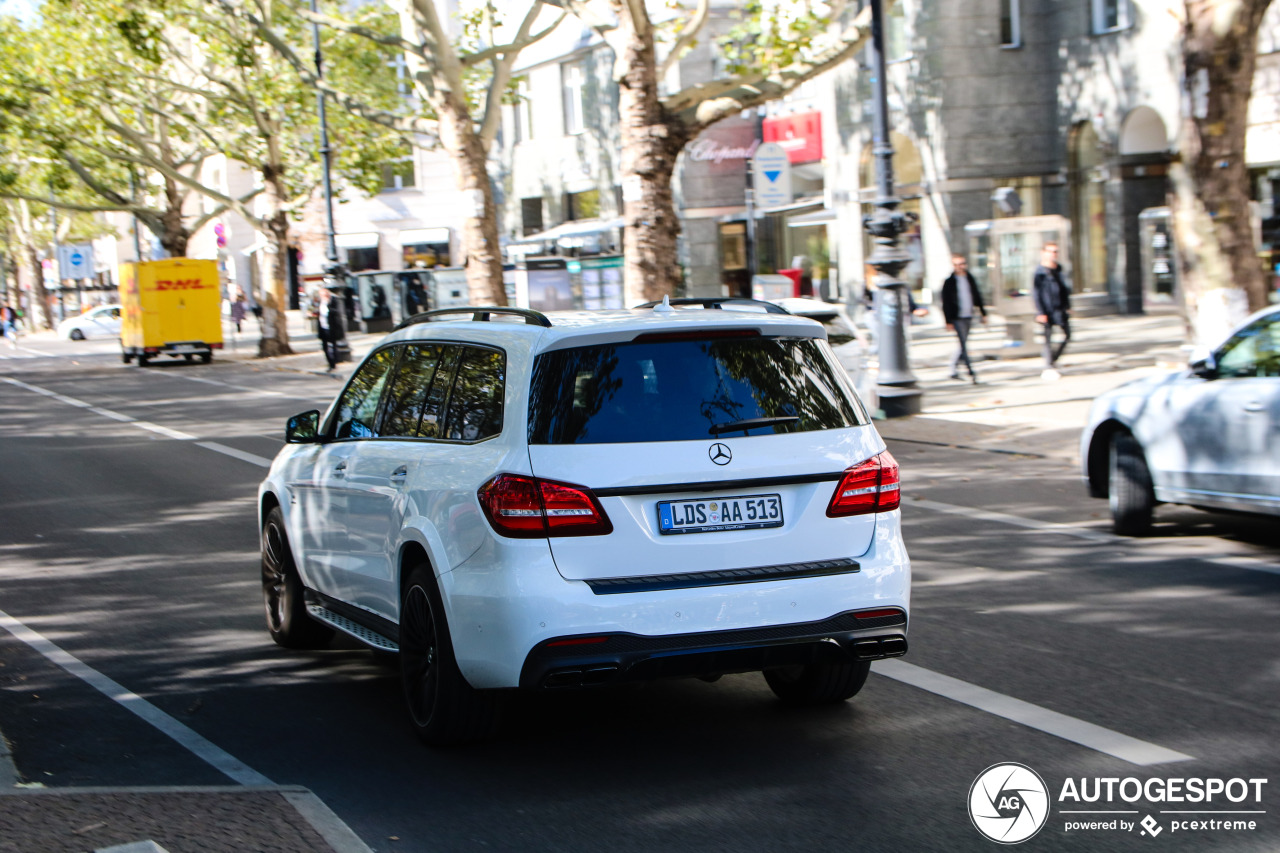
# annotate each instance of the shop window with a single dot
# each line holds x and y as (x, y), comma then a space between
(1088, 210)
(426, 255)
(359, 260)
(1010, 23)
(531, 215)
(583, 205)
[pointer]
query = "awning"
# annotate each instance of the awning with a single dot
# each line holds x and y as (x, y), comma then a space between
(818, 217)
(417, 236)
(362, 240)
(575, 228)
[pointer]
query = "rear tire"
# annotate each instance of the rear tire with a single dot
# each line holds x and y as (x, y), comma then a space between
(287, 619)
(76, 335)
(126, 357)
(443, 708)
(142, 360)
(190, 357)
(1129, 487)
(818, 683)
(206, 357)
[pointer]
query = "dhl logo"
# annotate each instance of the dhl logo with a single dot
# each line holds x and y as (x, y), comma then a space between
(183, 284)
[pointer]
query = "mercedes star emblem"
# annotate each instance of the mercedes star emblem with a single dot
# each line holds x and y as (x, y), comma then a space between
(720, 454)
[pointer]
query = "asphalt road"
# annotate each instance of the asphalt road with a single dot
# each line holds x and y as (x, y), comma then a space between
(128, 540)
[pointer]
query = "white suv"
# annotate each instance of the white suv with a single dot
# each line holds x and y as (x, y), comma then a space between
(587, 498)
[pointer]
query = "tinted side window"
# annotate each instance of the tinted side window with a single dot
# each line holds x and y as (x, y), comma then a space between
(358, 406)
(408, 392)
(1253, 351)
(682, 390)
(475, 405)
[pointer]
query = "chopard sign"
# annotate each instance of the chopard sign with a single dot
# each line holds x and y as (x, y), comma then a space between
(708, 149)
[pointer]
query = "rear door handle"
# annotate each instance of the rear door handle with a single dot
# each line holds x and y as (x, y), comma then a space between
(398, 476)
(340, 470)
(1253, 406)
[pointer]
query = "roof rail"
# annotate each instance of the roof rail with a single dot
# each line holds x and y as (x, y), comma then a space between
(478, 314)
(718, 302)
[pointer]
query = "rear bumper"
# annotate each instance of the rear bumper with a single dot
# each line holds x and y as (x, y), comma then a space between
(590, 660)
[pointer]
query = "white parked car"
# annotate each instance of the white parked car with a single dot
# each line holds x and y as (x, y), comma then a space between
(1207, 436)
(586, 498)
(100, 322)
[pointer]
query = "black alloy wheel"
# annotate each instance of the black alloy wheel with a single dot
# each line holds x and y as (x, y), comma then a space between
(443, 708)
(1129, 490)
(282, 591)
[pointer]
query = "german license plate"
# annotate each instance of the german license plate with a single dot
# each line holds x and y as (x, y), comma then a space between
(747, 512)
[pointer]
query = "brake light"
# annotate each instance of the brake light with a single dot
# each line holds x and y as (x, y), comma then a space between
(870, 486)
(529, 508)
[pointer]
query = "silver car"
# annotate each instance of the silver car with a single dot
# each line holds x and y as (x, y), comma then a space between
(1207, 436)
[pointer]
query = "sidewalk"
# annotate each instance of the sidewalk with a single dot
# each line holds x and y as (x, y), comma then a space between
(1014, 410)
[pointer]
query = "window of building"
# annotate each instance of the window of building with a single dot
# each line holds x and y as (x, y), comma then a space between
(399, 173)
(573, 83)
(583, 205)
(521, 113)
(1010, 24)
(1088, 210)
(1110, 15)
(531, 215)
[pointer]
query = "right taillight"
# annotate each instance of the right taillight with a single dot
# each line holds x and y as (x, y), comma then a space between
(870, 486)
(529, 508)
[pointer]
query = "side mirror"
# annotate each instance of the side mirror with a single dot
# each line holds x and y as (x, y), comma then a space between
(303, 428)
(1204, 365)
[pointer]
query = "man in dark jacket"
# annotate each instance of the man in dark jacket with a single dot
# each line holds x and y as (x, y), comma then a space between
(329, 326)
(1053, 303)
(960, 299)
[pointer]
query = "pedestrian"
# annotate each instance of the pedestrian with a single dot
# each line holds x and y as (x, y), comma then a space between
(329, 326)
(960, 298)
(1053, 303)
(9, 320)
(238, 304)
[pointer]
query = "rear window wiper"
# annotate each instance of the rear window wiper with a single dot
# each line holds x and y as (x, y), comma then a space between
(752, 423)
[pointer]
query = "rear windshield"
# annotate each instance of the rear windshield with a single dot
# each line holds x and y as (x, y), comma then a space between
(684, 390)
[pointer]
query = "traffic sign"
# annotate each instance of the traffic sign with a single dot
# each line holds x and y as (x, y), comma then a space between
(75, 260)
(771, 171)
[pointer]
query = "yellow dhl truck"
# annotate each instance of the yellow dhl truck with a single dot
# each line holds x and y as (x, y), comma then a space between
(171, 307)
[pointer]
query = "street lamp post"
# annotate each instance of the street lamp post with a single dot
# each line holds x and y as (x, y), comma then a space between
(895, 383)
(335, 273)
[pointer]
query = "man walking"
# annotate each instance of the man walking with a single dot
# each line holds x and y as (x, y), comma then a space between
(1053, 304)
(960, 297)
(329, 322)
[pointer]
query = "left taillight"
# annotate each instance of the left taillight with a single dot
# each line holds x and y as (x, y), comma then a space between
(870, 486)
(530, 508)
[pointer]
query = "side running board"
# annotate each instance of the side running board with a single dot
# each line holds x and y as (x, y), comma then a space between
(368, 636)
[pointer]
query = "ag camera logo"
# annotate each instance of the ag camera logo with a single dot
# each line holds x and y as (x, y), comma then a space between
(1008, 803)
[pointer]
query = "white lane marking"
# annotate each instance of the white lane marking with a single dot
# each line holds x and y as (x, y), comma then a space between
(1078, 731)
(260, 461)
(228, 764)
(257, 391)
(1252, 564)
(1016, 521)
(165, 431)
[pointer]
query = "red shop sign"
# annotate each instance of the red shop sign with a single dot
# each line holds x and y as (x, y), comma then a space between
(800, 134)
